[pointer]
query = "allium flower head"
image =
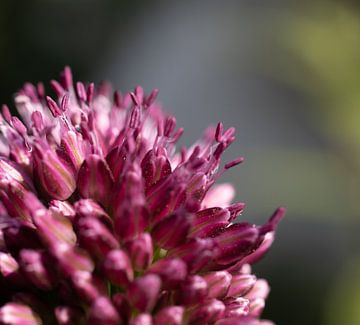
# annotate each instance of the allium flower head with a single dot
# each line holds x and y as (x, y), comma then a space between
(103, 221)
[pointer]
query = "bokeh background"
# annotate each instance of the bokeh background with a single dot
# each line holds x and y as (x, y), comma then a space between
(285, 73)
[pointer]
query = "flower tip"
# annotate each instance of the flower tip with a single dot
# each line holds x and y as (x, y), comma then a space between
(234, 162)
(53, 107)
(277, 216)
(67, 77)
(135, 99)
(219, 131)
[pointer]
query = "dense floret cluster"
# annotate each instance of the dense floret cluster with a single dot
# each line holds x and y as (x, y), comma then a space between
(102, 221)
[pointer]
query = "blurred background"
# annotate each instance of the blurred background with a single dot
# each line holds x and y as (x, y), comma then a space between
(285, 73)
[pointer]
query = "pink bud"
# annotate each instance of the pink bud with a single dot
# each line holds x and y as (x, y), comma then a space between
(172, 231)
(209, 221)
(256, 307)
(95, 179)
(130, 220)
(71, 145)
(218, 283)
(235, 242)
(117, 267)
(87, 285)
(236, 307)
(207, 312)
(121, 304)
(81, 92)
(172, 315)
(37, 120)
(13, 200)
(15, 314)
(95, 237)
(54, 229)
(172, 271)
(73, 260)
(90, 92)
(155, 167)
(241, 284)
(54, 175)
(53, 107)
(144, 291)
(260, 289)
(18, 236)
(197, 253)
(8, 264)
(102, 312)
(89, 208)
(140, 250)
(5, 111)
(63, 208)
(67, 78)
(36, 266)
(192, 291)
(151, 98)
(57, 88)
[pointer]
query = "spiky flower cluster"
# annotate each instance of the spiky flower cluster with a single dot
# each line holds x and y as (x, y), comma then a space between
(103, 222)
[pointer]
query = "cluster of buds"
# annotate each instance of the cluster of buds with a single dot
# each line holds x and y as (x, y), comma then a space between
(102, 221)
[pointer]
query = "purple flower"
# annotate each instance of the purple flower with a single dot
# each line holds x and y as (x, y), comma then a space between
(103, 221)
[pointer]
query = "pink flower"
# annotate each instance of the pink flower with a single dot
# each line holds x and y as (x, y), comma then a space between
(102, 221)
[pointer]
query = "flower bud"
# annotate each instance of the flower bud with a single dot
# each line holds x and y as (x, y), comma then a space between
(144, 291)
(218, 283)
(155, 167)
(54, 230)
(140, 251)
(8, 265)
(235, 242)
(72, 259)
(171, 271)
(192, 291)
(208, 312)
(196, 253)
(89, 208)
(71, 145)
(36, 266)
(95, 179)
(241, 284)
(256, 307)
(130, 220)
(16, 313)
(102, 312)
(55, 177)
(172, 315)
(209, 221)
(95, 237)
(117, 267)
(236, 307)
(87, 285)
(62, 207)
(172, 231)
(12, 197)
(121, 304)
(18, 236)
(260, 289)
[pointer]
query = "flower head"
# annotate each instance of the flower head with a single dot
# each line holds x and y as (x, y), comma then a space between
(102, 221)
